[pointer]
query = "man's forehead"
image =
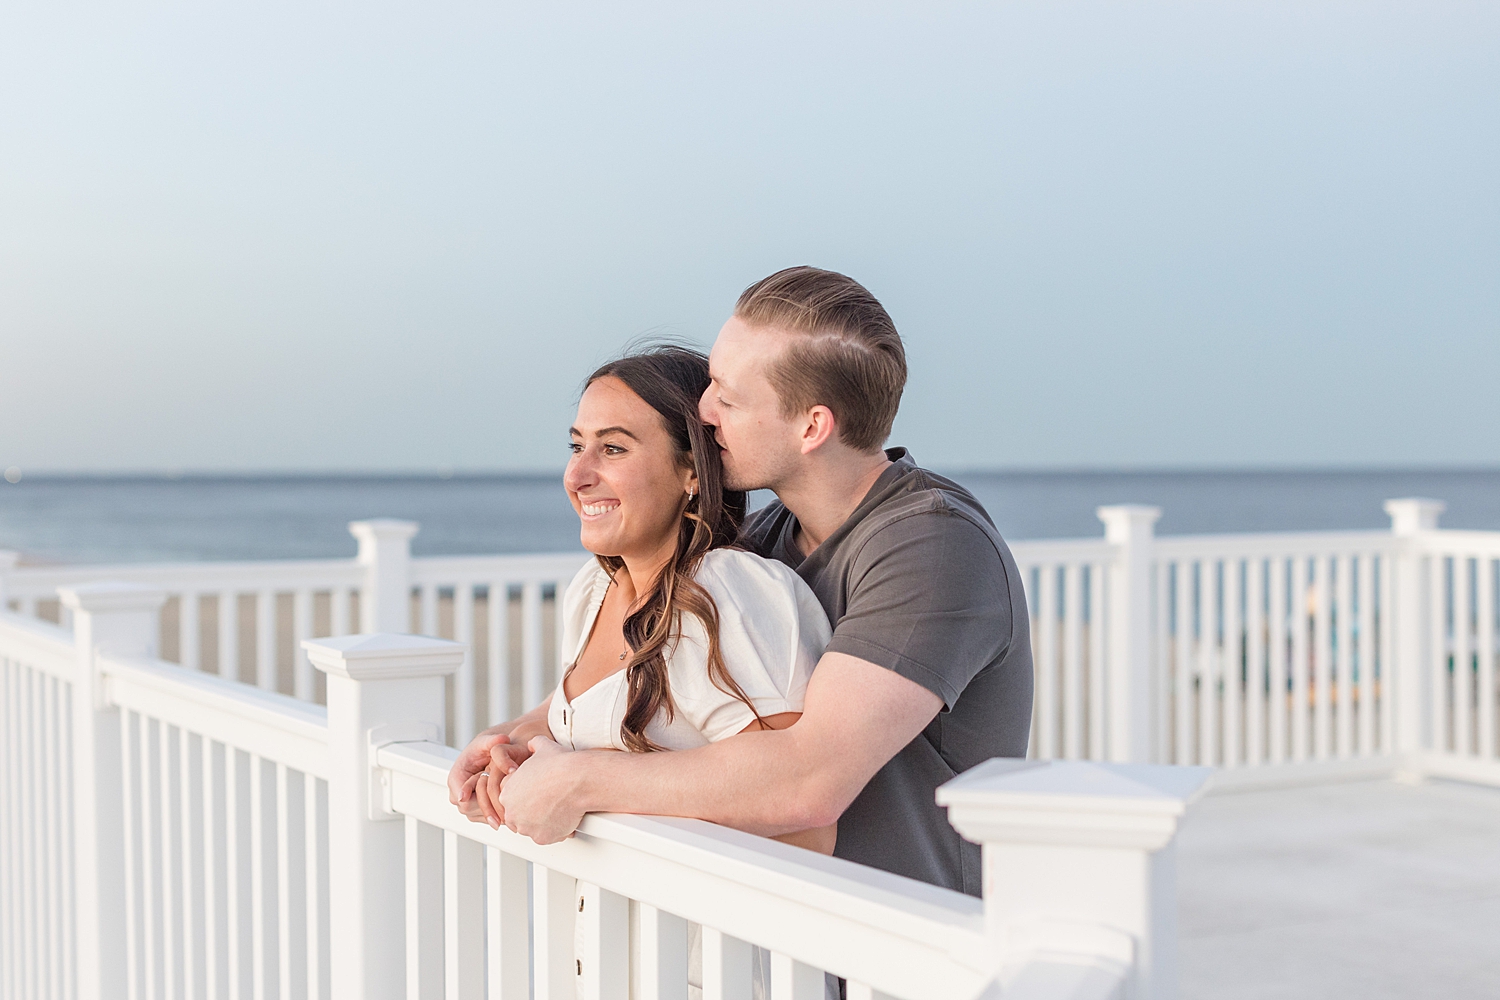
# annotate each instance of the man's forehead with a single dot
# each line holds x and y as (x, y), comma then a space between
(742, 349)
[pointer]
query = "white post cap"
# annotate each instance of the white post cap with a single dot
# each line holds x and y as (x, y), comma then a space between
(111, 595)
(384, 656)
(1079, 803)
(1410, 515)
(383, 529)
(1121, 521)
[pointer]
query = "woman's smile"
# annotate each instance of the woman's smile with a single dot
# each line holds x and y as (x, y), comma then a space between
(592, 509)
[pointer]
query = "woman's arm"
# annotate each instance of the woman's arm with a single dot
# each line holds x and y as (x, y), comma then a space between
(820, 838)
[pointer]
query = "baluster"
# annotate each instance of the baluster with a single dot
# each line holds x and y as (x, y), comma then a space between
(1161, 675)
(1463, 664)
(188, 630)
(1073, 709)
(210, 872)
(302, 628)
(229, 635)
(1301, 686)
(257, 878)
(424, 911)
(1344, 632)
(428, 607)
(1048, 745)
(664, 956)
(168, 896)
(605, 963)
(127, 842)
(1208, 661)
(1276, 703)
(1097, 701)
(1437, 597)
(554, 909)
(28, 826)
(265, 640)
(283, 887)
(9, 810)
(463, 918)
(463, 682)
(1485, 623)
(1232, 668)
(46, 795)
(313, 880)
(189, 856)
(1323, 641)
(233, 944)
(1387, 654)
(791, 980)
(498, 608)
(148, 861)
(508, 923)
(532, 681)
(859, 991)
(1183, 685)
(1365, 653)
(726, 965)
(338, 611)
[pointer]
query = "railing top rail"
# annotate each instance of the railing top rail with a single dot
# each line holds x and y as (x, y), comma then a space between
(42, 580)
(1273, 543)
(481, 569)
(41, 644)
(273, 726)
(880, 928)
(1451, 542)
(1061, 550)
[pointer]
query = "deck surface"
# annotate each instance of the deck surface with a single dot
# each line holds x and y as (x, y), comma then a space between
(1369, 890)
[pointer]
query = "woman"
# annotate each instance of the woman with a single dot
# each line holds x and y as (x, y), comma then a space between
(672, 637)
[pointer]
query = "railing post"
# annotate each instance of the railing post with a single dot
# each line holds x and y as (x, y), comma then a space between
(1130, 734)
(1079, 870)
(381, 689)
(385, 553)
(117, 619)
(1407, 670)
(8, 560)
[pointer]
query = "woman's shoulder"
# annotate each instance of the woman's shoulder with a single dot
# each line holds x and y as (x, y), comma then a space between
(747, 580)
(585, 582)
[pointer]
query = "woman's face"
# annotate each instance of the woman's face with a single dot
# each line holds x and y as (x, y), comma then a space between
(623, 478)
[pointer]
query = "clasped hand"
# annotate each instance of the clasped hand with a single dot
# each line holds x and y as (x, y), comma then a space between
(521, 787)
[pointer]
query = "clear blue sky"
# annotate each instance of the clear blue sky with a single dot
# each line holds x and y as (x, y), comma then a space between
(308, 236)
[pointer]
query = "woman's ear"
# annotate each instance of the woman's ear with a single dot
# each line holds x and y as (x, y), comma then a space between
(691, 486)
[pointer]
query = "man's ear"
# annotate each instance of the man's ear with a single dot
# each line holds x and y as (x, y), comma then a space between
(819, 428)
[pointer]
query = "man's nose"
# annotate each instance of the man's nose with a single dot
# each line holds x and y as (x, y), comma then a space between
(706, 408)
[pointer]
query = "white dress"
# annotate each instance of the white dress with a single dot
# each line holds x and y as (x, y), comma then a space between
(771, 632)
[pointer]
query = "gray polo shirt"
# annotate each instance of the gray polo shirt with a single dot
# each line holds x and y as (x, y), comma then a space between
(918, 581)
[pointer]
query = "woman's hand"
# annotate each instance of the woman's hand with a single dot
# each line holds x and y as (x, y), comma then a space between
(473, 785)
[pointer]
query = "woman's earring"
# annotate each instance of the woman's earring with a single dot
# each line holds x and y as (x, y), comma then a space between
(692, 493)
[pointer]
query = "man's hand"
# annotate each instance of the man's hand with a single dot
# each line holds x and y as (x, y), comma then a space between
(536, 798)
(475, 793)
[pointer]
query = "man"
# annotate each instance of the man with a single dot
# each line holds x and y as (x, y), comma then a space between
(929, 669)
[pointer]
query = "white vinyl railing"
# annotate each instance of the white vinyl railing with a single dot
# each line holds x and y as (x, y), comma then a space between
(172, 834)
(1227, 650)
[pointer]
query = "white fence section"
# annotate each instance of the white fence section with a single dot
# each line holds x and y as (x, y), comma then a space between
(171, 834)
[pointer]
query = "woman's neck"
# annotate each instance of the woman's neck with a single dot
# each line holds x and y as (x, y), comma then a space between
(641, 570)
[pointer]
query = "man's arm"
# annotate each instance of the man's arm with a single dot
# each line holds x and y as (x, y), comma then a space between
(856, 717)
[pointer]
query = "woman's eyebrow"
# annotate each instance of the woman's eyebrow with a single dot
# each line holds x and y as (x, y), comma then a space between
(575, 432)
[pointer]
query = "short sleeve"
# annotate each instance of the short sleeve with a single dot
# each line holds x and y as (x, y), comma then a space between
(772, 630)
(576, 602)
(930, 597)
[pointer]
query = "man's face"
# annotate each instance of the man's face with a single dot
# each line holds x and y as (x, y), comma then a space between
(759, 445)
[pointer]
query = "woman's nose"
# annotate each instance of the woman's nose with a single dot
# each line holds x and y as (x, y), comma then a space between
(580, 473)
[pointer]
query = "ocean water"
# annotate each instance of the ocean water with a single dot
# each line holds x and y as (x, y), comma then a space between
(88, 519)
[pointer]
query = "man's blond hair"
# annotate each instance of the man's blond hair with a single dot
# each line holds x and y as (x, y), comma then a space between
(851, 359)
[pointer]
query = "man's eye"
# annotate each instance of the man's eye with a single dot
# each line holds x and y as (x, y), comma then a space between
(575, 447)
(721, 401)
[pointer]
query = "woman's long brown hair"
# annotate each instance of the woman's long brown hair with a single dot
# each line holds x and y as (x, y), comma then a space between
(670, 380)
